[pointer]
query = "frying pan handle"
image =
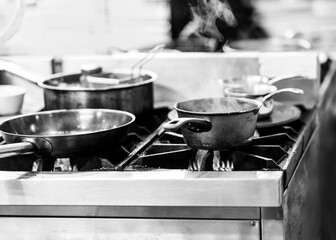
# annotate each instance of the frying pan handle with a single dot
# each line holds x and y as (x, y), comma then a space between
(38, 146)
(285, 77)
(193, 124)
(291, 90)
(16, 149)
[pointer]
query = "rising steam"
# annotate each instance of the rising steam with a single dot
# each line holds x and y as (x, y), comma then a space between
(206, 13)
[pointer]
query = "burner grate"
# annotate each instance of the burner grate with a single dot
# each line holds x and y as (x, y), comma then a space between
(267, 151)
(149, 147)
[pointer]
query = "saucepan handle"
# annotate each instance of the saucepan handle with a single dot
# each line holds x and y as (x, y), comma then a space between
(291, 90)
(281, 78)
(16, 149)
(192, 124)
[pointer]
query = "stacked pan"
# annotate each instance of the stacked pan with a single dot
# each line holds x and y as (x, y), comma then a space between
(228, 122)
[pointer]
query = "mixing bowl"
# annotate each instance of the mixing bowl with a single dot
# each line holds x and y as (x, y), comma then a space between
(11, 99)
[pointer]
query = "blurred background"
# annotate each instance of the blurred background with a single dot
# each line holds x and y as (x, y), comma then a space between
(60, 27)
(104, 27)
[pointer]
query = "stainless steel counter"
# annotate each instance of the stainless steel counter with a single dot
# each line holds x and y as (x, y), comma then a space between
(177, 204)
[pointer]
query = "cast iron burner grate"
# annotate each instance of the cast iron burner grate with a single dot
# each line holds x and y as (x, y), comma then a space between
(169, 152)
(148, 147)
(268, 150)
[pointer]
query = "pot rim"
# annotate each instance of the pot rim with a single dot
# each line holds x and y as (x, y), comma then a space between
(252, 101)
(153, 76)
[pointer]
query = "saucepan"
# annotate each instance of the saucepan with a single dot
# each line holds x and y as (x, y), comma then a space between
(65, 133)
(69, 91)
(129, 89)
(216, 123)
(261, 92)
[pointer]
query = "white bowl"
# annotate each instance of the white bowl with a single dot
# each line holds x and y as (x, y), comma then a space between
(11, 99)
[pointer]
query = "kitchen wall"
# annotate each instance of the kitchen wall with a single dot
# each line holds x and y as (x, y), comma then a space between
(86, 26)
(106, 26)
(314, 20)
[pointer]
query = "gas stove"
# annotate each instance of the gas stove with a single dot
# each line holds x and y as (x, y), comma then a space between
(156, 187)
(148, 147)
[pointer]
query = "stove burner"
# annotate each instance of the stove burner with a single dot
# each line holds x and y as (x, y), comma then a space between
(103, 161)
(261, 154)
(208, 160)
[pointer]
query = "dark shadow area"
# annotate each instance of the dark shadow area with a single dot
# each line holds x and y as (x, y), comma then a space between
(328, 173)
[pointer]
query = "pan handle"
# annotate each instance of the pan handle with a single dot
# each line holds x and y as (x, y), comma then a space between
(19, 71)
(281, 78)
(291, 90)
(38, 146)
(16, 149)
(192, 124)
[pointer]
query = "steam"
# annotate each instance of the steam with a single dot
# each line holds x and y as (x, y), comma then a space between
(206, 12)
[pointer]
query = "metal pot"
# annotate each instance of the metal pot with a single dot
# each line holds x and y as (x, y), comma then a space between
(65, 133)
(261, 92)
(216, 123)
(70, 91)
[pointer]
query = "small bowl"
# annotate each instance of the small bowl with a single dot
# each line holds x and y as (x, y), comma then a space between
(11, 99)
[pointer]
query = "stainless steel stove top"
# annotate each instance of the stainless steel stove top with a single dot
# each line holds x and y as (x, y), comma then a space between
(153, 182)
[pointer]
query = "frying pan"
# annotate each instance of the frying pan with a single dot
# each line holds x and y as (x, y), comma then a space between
(216, 123)
(65, 133)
